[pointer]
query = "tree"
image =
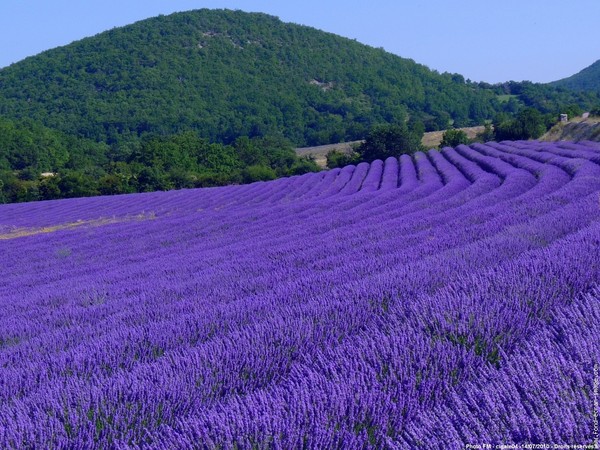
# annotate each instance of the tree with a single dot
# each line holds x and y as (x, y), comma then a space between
(389, 140)
(49, 188)
(258, 173)
(529, 124)
(2, 194)
(76, 184)
(572, 111)
(304, 165)
(452, 138)
(532, 123)
(152, 179)
(487, 134)
(337, 158)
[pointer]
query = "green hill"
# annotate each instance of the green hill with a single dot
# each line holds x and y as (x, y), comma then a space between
(213, 97)
(228, 74)
(586, 80)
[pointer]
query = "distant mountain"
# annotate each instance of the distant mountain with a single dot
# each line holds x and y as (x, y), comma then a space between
(586, 80)
(227, 74)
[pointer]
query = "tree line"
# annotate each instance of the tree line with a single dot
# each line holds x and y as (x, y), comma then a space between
(395, 140)
(37, 163)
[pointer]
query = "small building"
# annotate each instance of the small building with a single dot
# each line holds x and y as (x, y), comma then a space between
(564, 118)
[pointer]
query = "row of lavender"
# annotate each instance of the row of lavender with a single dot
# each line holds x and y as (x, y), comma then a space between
(433, 301)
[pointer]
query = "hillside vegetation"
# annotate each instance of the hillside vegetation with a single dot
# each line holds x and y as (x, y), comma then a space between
(578, 129)
(227, 74)
(586, 80)
(40, 163)
(214, 97)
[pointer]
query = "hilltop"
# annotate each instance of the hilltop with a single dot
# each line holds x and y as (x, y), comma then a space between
(227, 74)
(586, 80)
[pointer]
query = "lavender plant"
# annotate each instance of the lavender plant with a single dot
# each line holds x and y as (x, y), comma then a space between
(440, 300)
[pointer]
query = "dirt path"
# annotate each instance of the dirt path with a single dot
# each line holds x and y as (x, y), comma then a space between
(431, 139)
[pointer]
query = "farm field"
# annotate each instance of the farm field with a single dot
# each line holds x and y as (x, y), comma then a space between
(443, 300)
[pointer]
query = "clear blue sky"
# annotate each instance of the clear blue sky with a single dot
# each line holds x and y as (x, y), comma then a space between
(537, 40)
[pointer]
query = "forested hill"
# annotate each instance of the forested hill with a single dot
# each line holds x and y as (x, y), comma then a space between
(228, 74)
(586, 80)
(214, 97)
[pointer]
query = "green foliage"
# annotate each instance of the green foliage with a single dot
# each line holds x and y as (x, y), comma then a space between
(572, 111)
(76, 184)
(487, 135)
(183, 160)
(27, 146)
(258, 173)
(595, 111)
(226, 74)
(14, 189)
(547, 99)
(528, 124)
(214, 97)
(336, 158)
(49, 188)
(416, 125)
(389, 140)
(452, 138)
(586, 80)
(303, 165)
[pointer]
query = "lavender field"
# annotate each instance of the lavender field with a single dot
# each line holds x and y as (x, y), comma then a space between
(440, 301)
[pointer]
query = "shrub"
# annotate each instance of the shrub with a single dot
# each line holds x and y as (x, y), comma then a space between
(452, 138)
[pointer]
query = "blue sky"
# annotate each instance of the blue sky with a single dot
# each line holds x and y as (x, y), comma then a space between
(537, 40)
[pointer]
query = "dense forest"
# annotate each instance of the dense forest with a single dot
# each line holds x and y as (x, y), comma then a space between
(38, 163)
(213, 97)
(227, 74)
